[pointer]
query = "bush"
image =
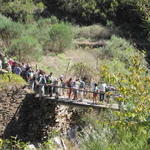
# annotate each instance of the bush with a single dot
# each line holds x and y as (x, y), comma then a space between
(9, 29)
(60, 37)
(114, 66)
(9, 144)
(81, 70)
(31, 30)
(21, 10)
(117, 48)
(26, 48)
(103, 138)
(40, 33)
(10, 79)
(42, 23)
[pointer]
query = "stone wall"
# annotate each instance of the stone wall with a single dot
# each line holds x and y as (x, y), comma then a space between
(24, 116)
(10, 101)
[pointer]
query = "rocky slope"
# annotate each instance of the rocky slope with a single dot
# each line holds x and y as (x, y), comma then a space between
(24, 116)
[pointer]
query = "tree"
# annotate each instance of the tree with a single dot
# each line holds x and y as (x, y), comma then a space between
(21, 10)
(134, 91)
(9, 30)
(81, 70)
(61, 36)
(26, 48)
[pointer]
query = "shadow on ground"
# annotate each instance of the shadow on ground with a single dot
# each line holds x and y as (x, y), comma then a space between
(32, 120)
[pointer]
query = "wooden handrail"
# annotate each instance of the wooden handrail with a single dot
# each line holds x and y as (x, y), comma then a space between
(81, 90)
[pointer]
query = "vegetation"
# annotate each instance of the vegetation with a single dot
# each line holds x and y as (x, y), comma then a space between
(10, 79)
(60, 37)
(129, 127)
(21, 10)
(118, 48)
(12, 144)
(133, 89)
(30, 31)
(93, 33)
(82, 70)
(32, 40)
(25, 45)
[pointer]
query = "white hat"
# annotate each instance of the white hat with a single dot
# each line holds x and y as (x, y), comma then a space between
(61, 76)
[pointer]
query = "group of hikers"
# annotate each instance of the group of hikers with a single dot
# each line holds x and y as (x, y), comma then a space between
(46, 84)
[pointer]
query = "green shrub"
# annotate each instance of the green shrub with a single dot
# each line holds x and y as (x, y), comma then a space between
(42, 23)
(117, 139)
(10, 79)
(9, 144)
(81, 70)
(117, 48)
(60, 37)
(21, 10)
(26, 48)
(39, 33)
(9, 29)
(31, 30)
(114, 65)
(44, 28)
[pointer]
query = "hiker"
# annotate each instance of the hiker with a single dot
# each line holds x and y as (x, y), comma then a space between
(61, 85)
(49, 80)
(36, 78)
(42, 84)
(31, 79)
(10, 62)
(28, 74)
(55, 88)
(24, 69)
(76, 86)
(82, 88)
(14, 64)
(95, 93)
(17, 69)
(102, 90)
(69, 85)
(1, 64)
(8, 67)
(5, 61)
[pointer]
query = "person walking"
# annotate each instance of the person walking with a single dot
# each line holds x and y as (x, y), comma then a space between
(102, 90)
(17, 69)
(55, 88)
(42, 84)
(69, 84)
(50, 80)
(61, 85)
(1, 64)
(95, 93)
(81, 89)
(76, 89)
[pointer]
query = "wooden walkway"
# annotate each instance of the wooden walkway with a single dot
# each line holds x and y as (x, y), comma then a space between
(82, 103)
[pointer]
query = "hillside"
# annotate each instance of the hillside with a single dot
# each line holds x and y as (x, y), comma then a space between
(105, 42)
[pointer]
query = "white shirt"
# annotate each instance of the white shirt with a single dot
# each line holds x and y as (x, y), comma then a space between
(0, 64)
(103, 87)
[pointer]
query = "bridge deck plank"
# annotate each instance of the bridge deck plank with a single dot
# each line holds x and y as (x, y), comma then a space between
(84, 102)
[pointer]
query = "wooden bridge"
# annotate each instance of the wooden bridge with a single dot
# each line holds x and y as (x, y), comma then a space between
(81, 103)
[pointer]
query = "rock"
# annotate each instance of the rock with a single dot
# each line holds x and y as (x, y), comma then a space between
(30, 147)
(60, 144)
(30, 119)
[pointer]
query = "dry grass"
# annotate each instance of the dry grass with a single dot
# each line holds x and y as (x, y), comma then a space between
(60, 63)
(93, 32)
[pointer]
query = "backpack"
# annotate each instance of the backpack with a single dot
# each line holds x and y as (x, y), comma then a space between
(82, 84)
(49, 81)
(42, 81)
